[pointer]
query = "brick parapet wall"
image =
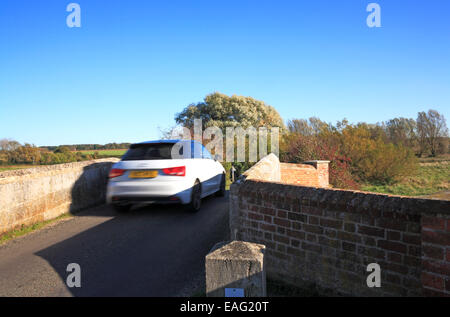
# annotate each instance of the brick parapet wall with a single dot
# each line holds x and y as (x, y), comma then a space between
(322, 168)
(436, 254)
(299, 174)
(311, 173)
(327, 237)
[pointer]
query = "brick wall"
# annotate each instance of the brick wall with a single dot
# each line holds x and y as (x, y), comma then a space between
(311, 173)
(299, 174)
(436, 255)
(325, 238)
(322, 172)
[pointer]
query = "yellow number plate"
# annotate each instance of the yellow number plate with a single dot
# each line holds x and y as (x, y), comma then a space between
(143, 174)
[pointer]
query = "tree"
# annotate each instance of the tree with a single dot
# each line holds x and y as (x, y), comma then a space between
(8, 145)
(62, 149)
(222, 111)
(401, 131)
(443, 145)
(318, 125)
(27, 154)
(431, 127)
(372, 158)
(299, 126)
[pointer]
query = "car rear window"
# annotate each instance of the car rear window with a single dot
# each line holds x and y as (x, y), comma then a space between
(151, 151)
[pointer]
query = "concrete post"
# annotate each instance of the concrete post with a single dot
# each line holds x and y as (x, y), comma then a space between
(236, 265)
(233, 173)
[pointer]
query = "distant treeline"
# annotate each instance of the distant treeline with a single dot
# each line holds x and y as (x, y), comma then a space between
(360, 153)
(12, 152)
(90, 147)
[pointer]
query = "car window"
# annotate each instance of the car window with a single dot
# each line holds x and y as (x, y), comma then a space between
(150, 151)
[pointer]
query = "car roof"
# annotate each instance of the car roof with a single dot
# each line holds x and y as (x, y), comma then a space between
(168, 141)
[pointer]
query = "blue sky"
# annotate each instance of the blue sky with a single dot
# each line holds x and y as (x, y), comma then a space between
(134, 64)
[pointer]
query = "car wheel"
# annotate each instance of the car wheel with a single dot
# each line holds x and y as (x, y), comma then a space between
(221, 191)
(122, 208)
(196, 197)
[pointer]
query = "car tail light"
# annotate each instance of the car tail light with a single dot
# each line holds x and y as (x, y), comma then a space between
(175, 171)
(116, 172)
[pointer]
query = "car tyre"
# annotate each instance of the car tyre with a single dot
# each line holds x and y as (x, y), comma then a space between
(222, 190)
(196, 197)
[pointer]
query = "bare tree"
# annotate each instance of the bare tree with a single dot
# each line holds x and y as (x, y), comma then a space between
(318, 125)
(8, 145)
(401, 131)
(299, 126)
(431, 126)
(312, 126)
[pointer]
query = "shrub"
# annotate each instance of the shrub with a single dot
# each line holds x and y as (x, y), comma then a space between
(296, 148)
(358, 154)
(372, 158)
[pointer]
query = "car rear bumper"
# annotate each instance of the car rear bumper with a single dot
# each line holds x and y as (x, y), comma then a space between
(164, 192)
(123, 200)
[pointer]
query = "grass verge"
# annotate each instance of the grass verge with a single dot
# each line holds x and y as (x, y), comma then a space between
(23, 230)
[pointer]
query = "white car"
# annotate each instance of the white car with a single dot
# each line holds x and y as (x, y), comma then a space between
(165, 171)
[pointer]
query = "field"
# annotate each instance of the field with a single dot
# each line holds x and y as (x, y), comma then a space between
(105, 153)
(431, 180)
(438, 159)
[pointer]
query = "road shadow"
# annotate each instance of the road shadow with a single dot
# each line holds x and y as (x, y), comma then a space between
(153, 250)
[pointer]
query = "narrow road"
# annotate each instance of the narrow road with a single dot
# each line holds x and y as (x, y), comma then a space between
(150, 251)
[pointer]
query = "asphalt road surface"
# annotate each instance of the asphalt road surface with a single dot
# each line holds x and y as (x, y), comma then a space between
(150, 251)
